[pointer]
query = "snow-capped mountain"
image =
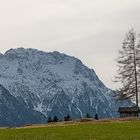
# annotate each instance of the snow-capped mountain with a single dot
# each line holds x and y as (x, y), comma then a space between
(36, 85)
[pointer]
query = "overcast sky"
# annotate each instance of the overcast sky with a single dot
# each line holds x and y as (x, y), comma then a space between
(91, 30)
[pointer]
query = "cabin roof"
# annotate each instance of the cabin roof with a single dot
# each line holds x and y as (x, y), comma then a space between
(128, 109)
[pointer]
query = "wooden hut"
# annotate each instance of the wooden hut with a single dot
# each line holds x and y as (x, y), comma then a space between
(128, 111)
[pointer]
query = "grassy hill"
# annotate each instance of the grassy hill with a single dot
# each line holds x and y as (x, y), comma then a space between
(116, 130)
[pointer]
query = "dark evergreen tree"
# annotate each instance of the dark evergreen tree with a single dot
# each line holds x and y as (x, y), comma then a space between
(55, 119)
(49, 119)
(87, 115)
(96, 116)
(67, 118)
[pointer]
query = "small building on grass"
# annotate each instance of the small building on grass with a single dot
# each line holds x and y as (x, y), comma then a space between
(128, 111)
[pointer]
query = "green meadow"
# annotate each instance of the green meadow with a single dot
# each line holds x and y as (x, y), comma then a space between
(120, 130)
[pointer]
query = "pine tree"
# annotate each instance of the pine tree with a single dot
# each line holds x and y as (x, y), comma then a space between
(96, 117)
(88, 116)
(55, 119)
(128, 63)
(49, 119)
(67, 118)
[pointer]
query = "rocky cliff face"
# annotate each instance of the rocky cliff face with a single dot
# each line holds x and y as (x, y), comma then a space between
(15, 112)
(36, 85)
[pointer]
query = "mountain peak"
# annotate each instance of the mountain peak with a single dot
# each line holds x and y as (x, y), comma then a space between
(55, 84)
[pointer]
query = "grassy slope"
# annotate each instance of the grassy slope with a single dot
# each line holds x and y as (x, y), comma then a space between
(82, 131)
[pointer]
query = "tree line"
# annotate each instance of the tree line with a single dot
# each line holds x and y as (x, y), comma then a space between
(68, 118)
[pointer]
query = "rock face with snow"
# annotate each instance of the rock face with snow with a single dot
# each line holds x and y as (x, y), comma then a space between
(36, 85)
(15, 112)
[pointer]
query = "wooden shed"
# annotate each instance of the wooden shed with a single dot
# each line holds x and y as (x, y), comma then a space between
(128, 111)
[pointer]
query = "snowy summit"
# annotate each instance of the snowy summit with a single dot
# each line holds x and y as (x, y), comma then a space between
(36, 85)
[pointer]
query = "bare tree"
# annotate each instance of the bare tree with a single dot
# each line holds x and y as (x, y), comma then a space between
(128, 67)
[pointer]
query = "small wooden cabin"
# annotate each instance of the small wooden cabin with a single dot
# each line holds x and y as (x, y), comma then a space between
(128, 111)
